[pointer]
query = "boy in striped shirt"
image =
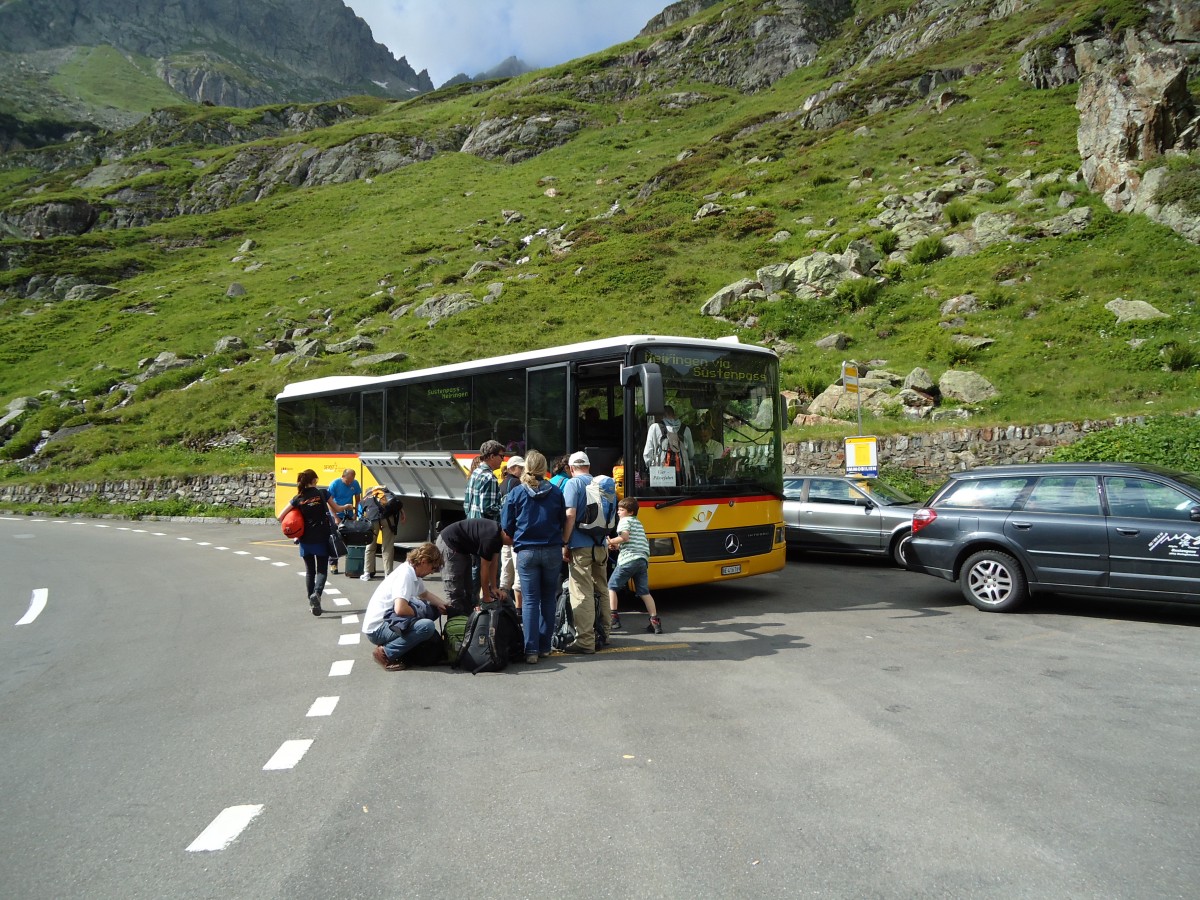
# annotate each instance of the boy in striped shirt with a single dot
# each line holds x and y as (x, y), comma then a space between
(633, 562)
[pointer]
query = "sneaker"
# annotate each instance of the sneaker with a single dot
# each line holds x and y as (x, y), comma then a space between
(314, 603)
(576, 650)
(616, 621)
(655, 626)
(333, 569)
(531, 659)
(365, 577)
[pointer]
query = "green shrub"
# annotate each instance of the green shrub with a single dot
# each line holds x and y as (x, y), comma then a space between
(927, 250)
(959, 211)
(887, 242)
(906, 480)
(857, 292)
(1172, 441)
(1181, 357)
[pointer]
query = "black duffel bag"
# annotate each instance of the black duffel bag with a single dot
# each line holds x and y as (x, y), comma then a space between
(357, 533)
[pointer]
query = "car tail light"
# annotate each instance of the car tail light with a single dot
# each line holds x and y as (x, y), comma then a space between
(923, 517)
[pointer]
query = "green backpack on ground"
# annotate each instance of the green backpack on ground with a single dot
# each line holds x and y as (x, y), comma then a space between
(452, 635)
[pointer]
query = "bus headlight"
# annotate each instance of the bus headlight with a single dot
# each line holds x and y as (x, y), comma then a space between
(663, 546)
(779, 534)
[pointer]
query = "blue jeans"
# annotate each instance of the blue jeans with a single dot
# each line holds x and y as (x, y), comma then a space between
(395, 644)
(539, 569)
(637, 570)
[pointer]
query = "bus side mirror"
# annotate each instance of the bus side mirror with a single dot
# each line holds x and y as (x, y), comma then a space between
(649, 376)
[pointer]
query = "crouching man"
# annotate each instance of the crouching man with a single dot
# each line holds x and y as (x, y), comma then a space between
(402, 613)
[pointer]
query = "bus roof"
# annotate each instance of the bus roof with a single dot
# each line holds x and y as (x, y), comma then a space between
(338, 383)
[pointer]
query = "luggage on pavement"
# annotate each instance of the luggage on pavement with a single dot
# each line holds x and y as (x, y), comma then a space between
(492, 638)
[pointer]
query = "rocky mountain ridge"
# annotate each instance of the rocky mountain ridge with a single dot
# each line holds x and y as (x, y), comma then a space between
(224, 52)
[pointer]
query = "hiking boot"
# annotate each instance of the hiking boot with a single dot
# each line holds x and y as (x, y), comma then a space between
(655, 626)
(314, 603)
(616, 621)
(333, 569)
(531, 659)
(576, 650)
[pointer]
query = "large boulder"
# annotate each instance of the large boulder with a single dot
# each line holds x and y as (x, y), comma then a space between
(966, 387)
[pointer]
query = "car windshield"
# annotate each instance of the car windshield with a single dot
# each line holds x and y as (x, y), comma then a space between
(883, 493)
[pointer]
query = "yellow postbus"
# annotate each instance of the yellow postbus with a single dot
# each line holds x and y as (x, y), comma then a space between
(716, 514)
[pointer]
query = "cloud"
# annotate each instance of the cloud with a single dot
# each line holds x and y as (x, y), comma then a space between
(451, 36)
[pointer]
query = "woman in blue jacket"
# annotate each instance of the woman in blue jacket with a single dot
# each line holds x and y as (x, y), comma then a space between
(534, 515)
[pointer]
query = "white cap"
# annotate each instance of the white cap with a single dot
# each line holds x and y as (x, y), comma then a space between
(579, 458)
(515, 461)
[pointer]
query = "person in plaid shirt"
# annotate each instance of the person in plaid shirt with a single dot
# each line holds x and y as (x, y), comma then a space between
(482, 497)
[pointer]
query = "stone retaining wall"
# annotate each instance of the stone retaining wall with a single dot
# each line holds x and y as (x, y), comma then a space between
(248, 491)
(930, 456)
(933, 455)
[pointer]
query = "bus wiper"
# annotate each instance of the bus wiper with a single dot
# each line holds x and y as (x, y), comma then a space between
(671, 502)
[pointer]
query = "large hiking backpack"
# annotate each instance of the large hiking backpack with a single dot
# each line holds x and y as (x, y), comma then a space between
(600, 509)
(381, 504)
(672, 445)
(492, 638)
(564, 619)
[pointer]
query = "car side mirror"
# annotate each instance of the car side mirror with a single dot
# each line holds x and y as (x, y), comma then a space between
(1194, 514)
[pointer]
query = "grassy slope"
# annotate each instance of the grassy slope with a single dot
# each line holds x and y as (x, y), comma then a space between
(1057, 354)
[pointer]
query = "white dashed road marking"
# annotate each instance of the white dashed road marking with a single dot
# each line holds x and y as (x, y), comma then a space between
(288, 754)
(36, 604)
(323, 706)
(341, 667)
(349, 638)
(224, 829)
(351, 619)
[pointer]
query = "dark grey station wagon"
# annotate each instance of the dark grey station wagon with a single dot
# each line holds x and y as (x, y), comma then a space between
(1106, 529)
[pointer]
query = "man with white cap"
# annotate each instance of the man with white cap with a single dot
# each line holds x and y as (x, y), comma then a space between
(586, 561)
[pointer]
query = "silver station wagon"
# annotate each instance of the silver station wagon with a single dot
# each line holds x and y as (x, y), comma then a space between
(1105, 529)
(844, 513)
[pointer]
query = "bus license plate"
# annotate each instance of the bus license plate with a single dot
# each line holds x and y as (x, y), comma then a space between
(731, 570)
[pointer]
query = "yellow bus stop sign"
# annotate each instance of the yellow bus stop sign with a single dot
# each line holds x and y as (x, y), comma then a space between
(862, 456)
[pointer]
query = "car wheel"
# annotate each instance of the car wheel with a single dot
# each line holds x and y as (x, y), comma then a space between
(899, 549)
(993, 581)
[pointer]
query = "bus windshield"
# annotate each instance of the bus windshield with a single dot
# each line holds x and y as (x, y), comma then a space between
(722, 428)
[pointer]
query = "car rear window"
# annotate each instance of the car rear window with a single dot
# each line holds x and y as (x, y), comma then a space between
(984, 493)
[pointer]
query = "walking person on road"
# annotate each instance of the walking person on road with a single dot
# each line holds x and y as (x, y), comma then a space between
(315, 506)
(346, 493)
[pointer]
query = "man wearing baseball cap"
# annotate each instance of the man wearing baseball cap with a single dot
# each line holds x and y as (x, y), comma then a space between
(586, 562)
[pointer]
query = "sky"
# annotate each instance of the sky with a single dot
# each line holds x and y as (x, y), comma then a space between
(451, 36)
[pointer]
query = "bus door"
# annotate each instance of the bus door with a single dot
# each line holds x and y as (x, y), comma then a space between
(600, 413)
(547, 405)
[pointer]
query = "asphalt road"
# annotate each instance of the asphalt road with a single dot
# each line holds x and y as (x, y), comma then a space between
(842, 729)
